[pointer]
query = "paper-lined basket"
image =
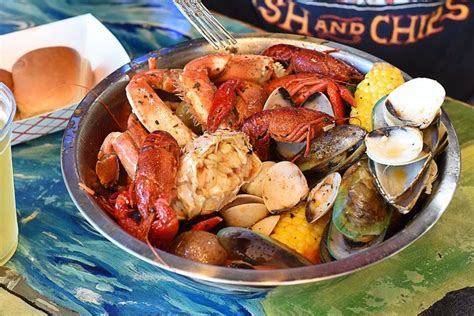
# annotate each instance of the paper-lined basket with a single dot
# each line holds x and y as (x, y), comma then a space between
(83, 33)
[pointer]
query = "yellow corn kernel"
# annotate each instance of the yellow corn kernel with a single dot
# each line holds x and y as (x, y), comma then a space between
(295, 232)
(382, 79)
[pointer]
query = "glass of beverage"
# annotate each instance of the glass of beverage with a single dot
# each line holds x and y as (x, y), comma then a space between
(8, 223)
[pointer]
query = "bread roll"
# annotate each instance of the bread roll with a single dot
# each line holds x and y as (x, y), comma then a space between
(50, 78)
(6, 78)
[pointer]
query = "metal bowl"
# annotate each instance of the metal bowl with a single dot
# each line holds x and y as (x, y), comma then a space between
(91, 122)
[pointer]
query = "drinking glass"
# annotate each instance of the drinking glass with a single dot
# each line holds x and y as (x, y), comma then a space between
(8, 223)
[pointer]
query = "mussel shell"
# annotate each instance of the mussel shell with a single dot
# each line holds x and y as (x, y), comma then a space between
(331, 151)
(257, 249)
(401, 186)
(278, 98)
(360, 212)
(340, 247)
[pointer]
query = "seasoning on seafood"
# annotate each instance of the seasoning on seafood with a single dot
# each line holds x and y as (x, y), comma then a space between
(307, 60)
(199, 78)
(283, 187)
(152, 112)
(293, 125)
(382, 79)
(212, 170)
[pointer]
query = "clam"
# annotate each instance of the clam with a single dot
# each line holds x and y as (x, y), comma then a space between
(321, 198)
(254, 187)
(378, 119)
(283, 187)
(360, 213)
(334, 150)
(401, 186)
(243, 199)
(415, 103)
(266, 225)
(244, 215)
(395, 145)
(319, 102)
(278, 98)
(257, 249)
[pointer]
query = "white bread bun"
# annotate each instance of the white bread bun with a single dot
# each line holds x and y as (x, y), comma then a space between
(6, 78)
(50, 78)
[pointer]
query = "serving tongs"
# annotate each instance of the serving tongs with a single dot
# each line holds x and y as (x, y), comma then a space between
(203, 21)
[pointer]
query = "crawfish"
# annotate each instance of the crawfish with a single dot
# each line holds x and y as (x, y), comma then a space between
(154, 189)
(306, 60)
(292, 125)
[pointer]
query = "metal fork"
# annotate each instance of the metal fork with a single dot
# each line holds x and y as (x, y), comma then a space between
(202, 20)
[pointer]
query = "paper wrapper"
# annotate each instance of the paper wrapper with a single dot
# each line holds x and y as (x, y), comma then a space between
(85, 34)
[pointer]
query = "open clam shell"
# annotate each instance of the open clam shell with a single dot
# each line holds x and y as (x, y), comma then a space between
(395, 145)
(401, 186)
(321, 198)
(257, 249)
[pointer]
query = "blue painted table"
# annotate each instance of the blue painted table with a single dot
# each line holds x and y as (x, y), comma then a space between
(66, 261)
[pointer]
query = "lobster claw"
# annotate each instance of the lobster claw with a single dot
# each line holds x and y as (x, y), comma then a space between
(165, 225)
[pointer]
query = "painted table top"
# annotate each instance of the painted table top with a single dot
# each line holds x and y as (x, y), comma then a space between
(64, 266)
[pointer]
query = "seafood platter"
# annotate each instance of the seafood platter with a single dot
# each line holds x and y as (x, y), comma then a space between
(291, 158)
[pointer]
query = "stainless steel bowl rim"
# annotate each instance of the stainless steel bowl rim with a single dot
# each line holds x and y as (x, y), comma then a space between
(419, 225)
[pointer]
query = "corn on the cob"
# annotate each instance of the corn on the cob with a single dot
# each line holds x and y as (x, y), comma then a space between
(294, 231)
(382, 79)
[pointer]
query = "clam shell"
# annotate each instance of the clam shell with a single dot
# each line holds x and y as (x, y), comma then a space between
(266, 225)
(254, 187)
(284, 186)
(395, 145)
(243, 199)
(244, 215)
(278, 98)
(401, 186)
(415, 103)
(257, 249)
(319, 102)
(322, 197)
